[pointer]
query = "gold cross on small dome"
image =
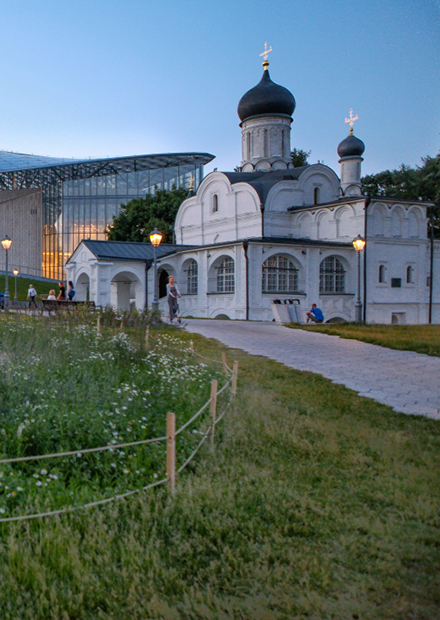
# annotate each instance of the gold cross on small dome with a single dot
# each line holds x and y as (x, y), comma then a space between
(264, 54)
(351, 120)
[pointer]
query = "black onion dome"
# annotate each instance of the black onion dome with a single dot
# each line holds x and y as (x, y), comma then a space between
(351, 147)
(266, 98)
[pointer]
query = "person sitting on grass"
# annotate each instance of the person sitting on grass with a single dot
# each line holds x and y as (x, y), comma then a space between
(315, 315)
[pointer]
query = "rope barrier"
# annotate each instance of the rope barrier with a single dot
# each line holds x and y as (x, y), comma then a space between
(201, 410)
(208, 359)
(89, 505)
(85, 451)
(134, 443)
(224, 411)
(192, 455)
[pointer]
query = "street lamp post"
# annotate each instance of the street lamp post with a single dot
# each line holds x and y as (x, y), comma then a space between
(359, 245)
(155, 237)
(15, 272)
(6, 243)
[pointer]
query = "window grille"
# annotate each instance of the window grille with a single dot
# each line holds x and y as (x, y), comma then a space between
(192, 275)
(280, 275)
(331, 276)
(226, 276)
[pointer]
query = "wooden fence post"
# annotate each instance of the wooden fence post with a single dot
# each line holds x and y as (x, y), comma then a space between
(234, 379)
(213, 409)
(147, 337)
(225, 362)
(171, 452)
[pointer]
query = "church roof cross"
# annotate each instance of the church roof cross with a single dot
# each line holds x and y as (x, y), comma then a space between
(264, 54)
(351, 119)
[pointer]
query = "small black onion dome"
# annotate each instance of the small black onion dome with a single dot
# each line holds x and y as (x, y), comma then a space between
(351, 147)
(266, 98)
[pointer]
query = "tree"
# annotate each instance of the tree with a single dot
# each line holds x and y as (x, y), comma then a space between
(140, 216)
(421, 182)
(299, 157)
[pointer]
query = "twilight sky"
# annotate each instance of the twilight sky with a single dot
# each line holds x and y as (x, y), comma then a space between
(98, 78)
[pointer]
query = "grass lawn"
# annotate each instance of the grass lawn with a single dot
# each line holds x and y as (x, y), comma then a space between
(418, 338)
(41, 286)
(316, 503)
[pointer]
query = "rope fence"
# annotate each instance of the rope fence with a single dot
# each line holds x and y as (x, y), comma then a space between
(170, 439)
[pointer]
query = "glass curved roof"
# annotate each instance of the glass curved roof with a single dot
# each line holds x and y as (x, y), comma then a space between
(18, 170)
(10, 161)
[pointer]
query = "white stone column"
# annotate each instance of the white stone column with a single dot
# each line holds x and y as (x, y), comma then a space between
(100, 283)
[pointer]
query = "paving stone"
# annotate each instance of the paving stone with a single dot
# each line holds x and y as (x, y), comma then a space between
(405, 380)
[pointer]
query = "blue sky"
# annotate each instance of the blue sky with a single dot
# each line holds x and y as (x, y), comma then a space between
(95, 78)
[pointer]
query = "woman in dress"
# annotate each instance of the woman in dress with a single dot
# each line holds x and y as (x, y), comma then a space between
(173, 294)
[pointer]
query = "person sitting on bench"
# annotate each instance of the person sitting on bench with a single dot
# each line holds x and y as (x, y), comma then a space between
(315, 315)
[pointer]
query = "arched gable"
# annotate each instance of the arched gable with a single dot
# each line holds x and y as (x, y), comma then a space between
(377, 216)
(322, 177)
(324, 221)
(344, 221)
(397, 220)
(281, 196)
(415, 219)
(304, 225)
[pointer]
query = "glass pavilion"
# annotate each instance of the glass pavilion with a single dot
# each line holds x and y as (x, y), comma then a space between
(80, 197)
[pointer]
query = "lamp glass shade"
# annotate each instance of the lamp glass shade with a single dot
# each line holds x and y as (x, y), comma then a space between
(156, 237)
(359, 243)
(6, 243)
(15, 272)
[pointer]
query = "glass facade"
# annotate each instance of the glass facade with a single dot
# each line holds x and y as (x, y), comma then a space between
(80, 199)
(83, 208)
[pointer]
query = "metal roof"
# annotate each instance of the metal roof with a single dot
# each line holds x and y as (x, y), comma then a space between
(263, 181)
(20, 171)
(127, 250)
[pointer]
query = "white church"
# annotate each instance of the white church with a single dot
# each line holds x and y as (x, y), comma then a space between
(266, 241)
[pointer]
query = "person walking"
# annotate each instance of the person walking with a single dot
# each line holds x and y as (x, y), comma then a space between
(31, 295)
(173, 294)
(62, 293)
(70, 291)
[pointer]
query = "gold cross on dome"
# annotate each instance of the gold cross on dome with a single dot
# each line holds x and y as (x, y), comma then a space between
(351, 120)
(264, 54)
(191, 182)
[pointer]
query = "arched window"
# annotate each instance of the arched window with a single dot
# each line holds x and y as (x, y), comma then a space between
(248, 144)
(192, 274)
(225, 276)
(331, 276)
(214, 203)
(409, 274)
(316, 195)
(279, 275)
(382, 270)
